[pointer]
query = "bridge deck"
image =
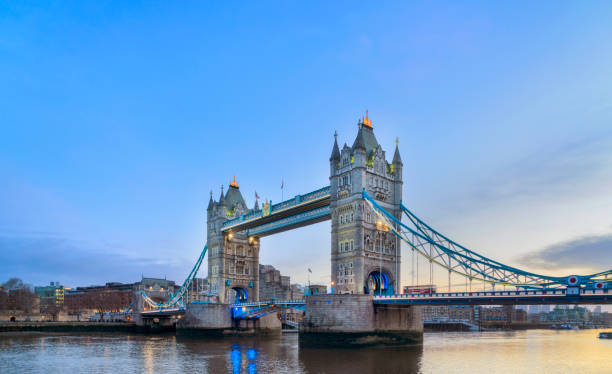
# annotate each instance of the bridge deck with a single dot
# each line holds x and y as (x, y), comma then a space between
(558, 296)
(299, 211)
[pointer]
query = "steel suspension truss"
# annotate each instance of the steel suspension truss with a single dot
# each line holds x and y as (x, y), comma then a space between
(457, 259)
(177, 299)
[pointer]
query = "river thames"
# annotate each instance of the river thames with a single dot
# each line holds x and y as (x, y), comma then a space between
(531, 351)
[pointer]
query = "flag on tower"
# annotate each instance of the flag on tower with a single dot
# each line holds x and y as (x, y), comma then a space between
(310, 271)
(282, 183)
(256, 195)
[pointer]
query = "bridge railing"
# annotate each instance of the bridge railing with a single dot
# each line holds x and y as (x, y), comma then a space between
(555, 292)
(268, 302)
(275, 208)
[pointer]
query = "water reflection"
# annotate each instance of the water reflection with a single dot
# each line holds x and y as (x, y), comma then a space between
(507, 352)
(362, 360)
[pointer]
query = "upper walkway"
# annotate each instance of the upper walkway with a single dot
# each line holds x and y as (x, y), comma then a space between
(298, 211)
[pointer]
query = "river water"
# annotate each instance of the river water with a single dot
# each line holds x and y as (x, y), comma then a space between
(533, 351)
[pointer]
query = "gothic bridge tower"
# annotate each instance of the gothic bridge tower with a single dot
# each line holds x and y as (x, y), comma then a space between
(233, 259)
(365, 255)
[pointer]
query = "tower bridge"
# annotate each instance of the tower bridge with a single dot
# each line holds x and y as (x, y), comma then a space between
(369, 222)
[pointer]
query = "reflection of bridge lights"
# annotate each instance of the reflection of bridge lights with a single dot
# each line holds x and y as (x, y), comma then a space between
(251, 354)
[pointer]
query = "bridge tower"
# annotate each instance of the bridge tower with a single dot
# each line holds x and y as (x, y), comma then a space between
(233, 259)
(365, 255)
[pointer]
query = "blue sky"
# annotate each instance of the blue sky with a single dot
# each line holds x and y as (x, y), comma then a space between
(118, 118)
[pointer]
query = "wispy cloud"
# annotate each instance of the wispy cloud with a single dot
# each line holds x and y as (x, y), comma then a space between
(41, 258)
(593, 252)
(560, 169)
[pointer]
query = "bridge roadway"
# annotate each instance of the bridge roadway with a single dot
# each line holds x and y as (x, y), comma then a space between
(530, 297)
(298, 211)
(164, 312)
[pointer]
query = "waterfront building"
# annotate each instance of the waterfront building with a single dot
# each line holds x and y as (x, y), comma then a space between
(448, 312)
(562, 314)
(51, 295)
(113, 297)
(501, 314)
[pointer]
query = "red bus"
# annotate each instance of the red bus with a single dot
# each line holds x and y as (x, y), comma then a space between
(420, 289)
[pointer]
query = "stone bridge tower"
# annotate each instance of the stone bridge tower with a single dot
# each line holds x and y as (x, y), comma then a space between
(365, 255)
(233, 259)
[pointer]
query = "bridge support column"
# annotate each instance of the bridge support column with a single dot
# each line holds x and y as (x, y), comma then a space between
(205, 319)
(354, 320)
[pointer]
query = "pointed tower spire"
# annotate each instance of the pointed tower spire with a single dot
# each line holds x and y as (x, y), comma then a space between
(396, 156)
(211, 202)
(335, 151)
(359, 142)
(221, 198)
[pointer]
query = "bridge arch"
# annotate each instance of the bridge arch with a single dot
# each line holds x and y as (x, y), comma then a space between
(379, 282)
(238, 294)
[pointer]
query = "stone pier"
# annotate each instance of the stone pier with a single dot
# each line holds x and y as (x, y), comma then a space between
(354, 320)
(216, 320)
(205, 319)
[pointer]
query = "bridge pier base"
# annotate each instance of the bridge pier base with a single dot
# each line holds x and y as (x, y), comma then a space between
(216, 320)
(354, 320)
(205, 319)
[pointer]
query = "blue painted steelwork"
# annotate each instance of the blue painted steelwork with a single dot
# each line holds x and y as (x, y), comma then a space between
(163, 312)
(297, 201)
(178, 296)
(526, 297)
(257, 309)
(459, 260)
(290, 221)
(129, 307)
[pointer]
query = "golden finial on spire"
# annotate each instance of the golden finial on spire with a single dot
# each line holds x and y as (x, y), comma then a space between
(396, 141)
(233, 183)
(366, 121)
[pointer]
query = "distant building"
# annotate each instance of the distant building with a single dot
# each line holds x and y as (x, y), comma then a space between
(199, 291)
(448, 312)
(110, 298)
(502, 314)
(51, 295)
(162, 286)
(562, 314)
(273, 285)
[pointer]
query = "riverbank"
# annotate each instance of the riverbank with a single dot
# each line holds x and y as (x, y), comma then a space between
(68, 327)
